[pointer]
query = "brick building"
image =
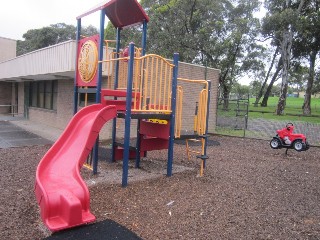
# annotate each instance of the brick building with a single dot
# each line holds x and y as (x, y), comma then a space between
(40, 85)
(8, 49)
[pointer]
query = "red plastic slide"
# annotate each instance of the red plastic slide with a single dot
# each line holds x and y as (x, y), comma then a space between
(61, 193)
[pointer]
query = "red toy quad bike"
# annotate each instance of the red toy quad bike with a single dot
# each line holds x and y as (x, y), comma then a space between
(285, 138)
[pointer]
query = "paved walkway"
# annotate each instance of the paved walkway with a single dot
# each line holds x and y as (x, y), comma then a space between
(14, 136)
(18, 132)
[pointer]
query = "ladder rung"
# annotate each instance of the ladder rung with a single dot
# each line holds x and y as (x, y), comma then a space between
(203, 157)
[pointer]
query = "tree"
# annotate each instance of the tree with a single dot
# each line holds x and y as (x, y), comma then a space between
(255, 87)
(47, 36)
(219, 34)
(298, 76)
(307, 45)
(263, 85)
(241, 91)
(280, 23)
(264, 102)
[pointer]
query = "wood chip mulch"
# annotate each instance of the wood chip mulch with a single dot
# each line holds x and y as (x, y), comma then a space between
(249, 191)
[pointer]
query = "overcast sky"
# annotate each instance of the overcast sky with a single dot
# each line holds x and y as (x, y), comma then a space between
(19, 16)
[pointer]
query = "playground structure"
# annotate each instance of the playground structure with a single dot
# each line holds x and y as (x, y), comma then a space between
(140, 87)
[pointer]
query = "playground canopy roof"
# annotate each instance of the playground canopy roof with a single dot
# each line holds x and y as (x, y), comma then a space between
(121, 13)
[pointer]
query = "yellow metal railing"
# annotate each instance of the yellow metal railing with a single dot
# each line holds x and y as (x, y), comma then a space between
(152, 78)
(123, 67)
(155, 83)
(200, 119)
(178, 116)
(202, 112)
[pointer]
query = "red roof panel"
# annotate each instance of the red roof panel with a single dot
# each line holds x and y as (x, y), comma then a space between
(121, 13)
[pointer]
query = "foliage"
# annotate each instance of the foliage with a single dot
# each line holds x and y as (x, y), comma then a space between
(218, 34)
(298, 75)
(255, 87)
(241, 91)
(51, 35)
(128, 35)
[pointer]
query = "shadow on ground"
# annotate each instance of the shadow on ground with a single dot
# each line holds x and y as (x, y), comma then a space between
(106, 229)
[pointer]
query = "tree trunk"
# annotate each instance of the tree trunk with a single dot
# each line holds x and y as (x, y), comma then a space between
(225, 97)
(307, 97)
(264, 102)
(266, 79)
(286, 45)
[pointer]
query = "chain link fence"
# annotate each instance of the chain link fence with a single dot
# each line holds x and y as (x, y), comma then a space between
(233, 119)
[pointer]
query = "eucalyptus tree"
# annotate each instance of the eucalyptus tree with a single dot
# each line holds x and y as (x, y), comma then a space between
(307, 45)
(50, 35)
(215, 33)
(281, 24)
(275, 77)
(264, 84)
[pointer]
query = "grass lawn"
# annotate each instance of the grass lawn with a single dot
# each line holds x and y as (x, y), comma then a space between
(293, 110)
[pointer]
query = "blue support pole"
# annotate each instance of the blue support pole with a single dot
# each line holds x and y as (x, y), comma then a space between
(207, 124)
(114, 122)
(100, 55)
(99, 82)
(75, 88)
(172, 116)
(143, 45)
(127, 123)
(144, 37)
(118, 45)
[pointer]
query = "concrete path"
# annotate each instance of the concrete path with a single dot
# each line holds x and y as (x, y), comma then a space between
(14, 136)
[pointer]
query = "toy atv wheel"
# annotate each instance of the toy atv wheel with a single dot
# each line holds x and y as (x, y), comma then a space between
(298, 145)
(275, 143)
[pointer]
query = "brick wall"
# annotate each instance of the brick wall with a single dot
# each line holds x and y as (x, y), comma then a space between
(8, 48)
(64, 113)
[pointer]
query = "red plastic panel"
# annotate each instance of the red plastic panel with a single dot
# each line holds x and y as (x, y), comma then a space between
(120, 103)
(121, 13)
(119, 154)
(154, 129)
(150, 144)
(80, 82)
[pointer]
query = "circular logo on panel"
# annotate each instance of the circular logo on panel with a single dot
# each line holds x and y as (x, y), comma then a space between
(88, 61)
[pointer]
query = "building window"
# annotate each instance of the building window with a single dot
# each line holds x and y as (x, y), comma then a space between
(86, 99)
(43, 94)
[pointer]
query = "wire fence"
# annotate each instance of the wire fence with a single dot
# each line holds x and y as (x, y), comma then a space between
(233, 119)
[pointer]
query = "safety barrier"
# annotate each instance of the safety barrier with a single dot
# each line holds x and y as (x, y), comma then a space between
(201, 115)
(152, 79)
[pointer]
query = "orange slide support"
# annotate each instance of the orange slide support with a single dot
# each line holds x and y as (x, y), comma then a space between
(61, 193)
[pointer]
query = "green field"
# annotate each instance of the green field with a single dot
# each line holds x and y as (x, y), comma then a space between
(293, 110)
